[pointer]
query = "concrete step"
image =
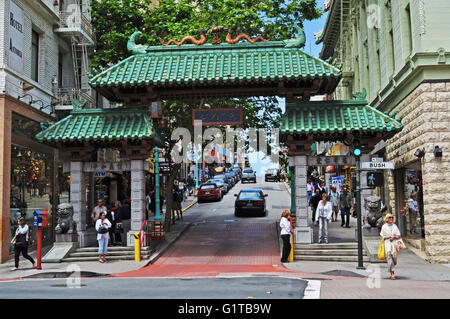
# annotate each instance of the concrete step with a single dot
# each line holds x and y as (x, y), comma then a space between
(326, 246)
(111, 249)
(95, 258)
(327, 252)
(110, 253)
(330, 258)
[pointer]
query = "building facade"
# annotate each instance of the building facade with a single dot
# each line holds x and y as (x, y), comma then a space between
(399, 53)
(44, 57)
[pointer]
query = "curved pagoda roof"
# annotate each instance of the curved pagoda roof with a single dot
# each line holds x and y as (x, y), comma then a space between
(100, 125)
(269, 68)
(336, 117)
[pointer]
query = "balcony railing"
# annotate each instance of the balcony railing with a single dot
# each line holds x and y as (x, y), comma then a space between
(65, 97)
(76, 19)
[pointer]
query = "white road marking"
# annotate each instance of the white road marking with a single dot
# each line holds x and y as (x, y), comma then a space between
(312, 291)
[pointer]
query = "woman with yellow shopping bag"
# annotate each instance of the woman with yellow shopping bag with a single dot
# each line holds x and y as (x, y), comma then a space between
(391, 235)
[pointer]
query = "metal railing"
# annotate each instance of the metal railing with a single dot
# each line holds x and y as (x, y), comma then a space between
(76, 19)
(66, 95)
(146, 233)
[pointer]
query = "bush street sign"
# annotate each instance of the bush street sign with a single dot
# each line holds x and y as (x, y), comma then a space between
(377, 165)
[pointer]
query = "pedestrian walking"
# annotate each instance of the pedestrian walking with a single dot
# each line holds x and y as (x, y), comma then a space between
(345, 203)
(181, 188)
(20, 242)
(119, 226)
(97, 210)
(314, 202)
(321, 187)
(334, 199)
(102, 227)
(111, 216)
(323, 217)
(285, 234)
(391, 235)
(177, 198)
(309, 189)
(148, 204)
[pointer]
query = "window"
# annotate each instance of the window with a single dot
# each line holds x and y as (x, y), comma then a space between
(35, 56)
(60, 70)
(409, 29)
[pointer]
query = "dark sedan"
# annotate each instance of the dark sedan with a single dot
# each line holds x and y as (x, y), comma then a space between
(272, 174)
(208, 192)
(248, 176)
(250, 201)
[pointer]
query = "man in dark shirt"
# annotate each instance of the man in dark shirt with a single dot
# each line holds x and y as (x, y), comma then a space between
(314, 202)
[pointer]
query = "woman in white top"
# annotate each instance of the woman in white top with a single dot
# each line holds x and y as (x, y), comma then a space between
(20, 241)
(285, 233)
(391, 234)
(102, 226)
(324, 213)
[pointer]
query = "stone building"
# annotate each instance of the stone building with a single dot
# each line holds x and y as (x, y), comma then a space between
(44, 50)
(398, 51)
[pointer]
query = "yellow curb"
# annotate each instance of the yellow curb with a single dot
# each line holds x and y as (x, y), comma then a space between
(187, 207)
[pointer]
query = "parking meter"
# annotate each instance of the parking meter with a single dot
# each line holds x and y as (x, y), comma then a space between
(39, 221)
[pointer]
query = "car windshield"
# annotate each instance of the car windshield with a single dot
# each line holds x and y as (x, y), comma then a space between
(216, 181)
(209, 186)
(248, 171)
(219, 176)
(272, 171)
(250, 196)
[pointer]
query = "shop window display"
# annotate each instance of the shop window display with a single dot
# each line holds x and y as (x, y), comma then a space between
(31, 189)
(413, 210)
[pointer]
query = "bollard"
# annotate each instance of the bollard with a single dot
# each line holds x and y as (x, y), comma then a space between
(291, 253)
(137, 247)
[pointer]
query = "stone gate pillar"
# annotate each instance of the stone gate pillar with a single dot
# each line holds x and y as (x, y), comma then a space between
(302, 233)
(78, 200)
(137, 198)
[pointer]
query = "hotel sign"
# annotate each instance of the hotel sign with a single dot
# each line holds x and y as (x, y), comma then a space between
(15, 43)
(218, 116)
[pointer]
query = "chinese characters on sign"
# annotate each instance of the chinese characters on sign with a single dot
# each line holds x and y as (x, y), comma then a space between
(218, 116)
(109, 166)
(331, 160)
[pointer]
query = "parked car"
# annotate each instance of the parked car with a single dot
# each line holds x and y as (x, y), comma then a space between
(209, 191)
(221, 183)
(226, 178)
(248, 175)
(272, 174)
(233, 175)
(252, 201)
(238, 172)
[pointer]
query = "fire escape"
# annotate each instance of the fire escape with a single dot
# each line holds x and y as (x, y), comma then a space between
(75, 26)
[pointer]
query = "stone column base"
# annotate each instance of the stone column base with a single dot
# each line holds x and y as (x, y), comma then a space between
(87, 238)
(130, 238)
(303, 235)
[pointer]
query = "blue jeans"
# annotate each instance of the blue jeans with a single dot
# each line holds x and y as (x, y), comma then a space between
(309, 195)
(103, 246)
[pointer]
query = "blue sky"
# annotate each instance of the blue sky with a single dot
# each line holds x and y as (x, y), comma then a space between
(256, 161)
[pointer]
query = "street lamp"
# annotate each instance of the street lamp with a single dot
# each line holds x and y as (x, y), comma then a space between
(157, 200)
(357, 152)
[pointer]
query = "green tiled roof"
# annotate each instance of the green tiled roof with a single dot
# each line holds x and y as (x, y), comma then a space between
(93, 125)
(211, 64)
(335, 117)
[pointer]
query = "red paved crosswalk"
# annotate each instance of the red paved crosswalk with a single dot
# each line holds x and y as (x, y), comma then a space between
(219, 249)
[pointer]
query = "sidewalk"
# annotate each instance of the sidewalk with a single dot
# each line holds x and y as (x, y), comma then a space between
(94, 269)
(410, 265)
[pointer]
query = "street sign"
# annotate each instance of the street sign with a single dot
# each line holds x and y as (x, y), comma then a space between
(375, 179)
(100, 174)
(377, 165)
(377, 159)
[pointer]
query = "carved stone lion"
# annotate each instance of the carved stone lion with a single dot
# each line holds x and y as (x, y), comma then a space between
(374, 214)
(65, 219)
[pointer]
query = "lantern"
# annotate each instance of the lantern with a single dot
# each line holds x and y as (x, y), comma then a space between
(55, 3)
(156, 110)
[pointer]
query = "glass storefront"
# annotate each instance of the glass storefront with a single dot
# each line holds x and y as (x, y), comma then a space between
(31, 189)
(414, 220)
(32, 174)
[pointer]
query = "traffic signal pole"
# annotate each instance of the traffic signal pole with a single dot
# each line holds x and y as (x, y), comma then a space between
(358, 212)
